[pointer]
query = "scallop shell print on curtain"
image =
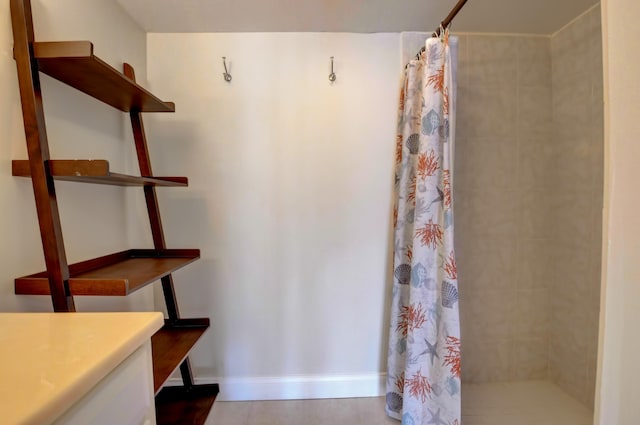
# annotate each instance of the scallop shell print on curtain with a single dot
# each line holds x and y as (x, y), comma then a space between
(423, 381)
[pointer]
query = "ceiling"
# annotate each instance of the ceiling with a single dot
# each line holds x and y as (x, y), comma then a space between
(495, 16)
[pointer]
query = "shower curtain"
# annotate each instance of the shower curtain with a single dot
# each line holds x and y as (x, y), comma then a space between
(423, 381)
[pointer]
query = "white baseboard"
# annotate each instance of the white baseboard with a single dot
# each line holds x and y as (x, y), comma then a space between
(295, 387)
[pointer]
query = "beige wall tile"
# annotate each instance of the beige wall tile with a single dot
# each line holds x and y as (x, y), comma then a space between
(490, 263)
(532, 314)
(576, 159)
(536, 215)
(463, 61)
(534, 61)
(568, 369)
(486, 111)
(534, 112)
(570, 51)
(571, 109)
(488, 314)
(537, 161)
(486, 361)
(573, 227)
(493, 60)
(571, 328)
(530, 359)
(493, 213)
(486, 163)
(592, 364)
(535, 267)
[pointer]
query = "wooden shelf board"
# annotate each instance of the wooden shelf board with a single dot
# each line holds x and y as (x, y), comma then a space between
(116, 274)
(74, 63)
(94, 171)
(171, 345)
(182, 406)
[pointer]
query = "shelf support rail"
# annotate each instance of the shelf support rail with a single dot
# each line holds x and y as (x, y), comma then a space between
(155, 221)
(38, 151)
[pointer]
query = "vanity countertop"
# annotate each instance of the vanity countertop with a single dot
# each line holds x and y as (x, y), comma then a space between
(49, 361)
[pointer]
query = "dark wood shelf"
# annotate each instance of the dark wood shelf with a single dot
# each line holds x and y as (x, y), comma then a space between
(74, 63)
(171, 345)
(94, 171)
(115, 274)
(185, 406)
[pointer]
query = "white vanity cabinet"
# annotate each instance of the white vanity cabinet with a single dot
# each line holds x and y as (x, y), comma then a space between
(123, 397)
(77, 368)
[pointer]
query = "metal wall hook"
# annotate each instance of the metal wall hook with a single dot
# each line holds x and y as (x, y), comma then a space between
(227, 76)
(332, 76)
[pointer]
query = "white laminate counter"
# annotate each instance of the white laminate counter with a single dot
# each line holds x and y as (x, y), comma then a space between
(49, 361)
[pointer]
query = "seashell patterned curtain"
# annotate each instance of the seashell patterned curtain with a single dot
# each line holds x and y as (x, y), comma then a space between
(423, 380)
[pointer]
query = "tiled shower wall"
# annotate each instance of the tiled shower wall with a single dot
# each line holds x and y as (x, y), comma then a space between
(527, 206)
(503, 202)
(577, 129)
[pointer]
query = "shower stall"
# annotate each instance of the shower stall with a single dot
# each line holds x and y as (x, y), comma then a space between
(528, 206)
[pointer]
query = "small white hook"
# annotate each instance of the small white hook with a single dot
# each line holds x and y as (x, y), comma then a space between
(227, 76)
(332, 76)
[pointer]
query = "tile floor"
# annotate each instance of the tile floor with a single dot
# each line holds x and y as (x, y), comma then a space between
(513, 403)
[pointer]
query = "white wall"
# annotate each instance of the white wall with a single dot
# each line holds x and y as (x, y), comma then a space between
(619, 370)
(289, 200)
(93, 217)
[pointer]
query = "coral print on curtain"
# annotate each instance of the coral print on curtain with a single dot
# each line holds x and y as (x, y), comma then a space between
(423, 381)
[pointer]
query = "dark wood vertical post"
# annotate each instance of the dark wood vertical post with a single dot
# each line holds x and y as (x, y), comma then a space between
(155, 221)
(38, 150)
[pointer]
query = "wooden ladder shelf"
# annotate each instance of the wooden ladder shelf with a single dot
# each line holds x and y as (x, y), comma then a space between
(121, 273)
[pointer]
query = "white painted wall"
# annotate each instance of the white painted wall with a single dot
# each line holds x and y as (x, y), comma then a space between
(93, 217)
(619, 370)
(289, 200)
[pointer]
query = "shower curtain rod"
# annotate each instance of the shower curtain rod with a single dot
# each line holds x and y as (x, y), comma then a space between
(447, 21)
